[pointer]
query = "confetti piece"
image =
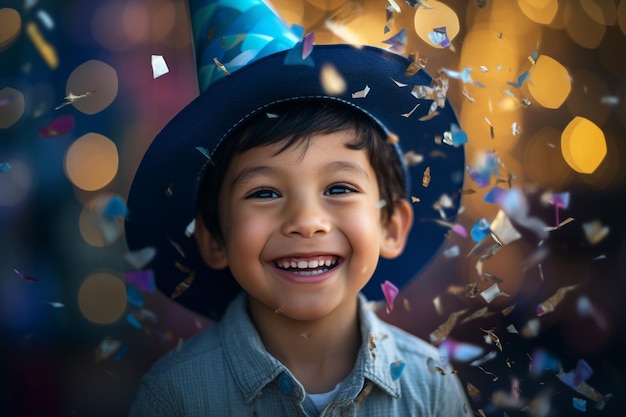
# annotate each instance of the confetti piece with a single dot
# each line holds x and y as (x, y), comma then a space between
(444, 329)
(143, 280)
(71, 98)
(396, 369)
(409, 113)
(45, 18)
(133, 296)
(531, 328)
(57, 127)
(183, 286)
(551, 303)
(520, 80)
(133, 321)
(221, 66)
(492, 293)
(115, 207)
(502, 229)
(579, 404)
(107, 348)
(455, 136)
(159, 66)
(426, 177)
(391, 292)
(439, 37)
(280, 309)
(25, 277)
(307, 45)
(417, 3)
(416, 65)
(56, 304)
(372, 345)
(488, 164)
(488, 357)
(139, 259)
(45, 49)
(473, 392)
(459, 229)
(120, 354)
(452, 252)
(4, 167)
(397, 42)
(191, 228)
(412, 159)
(491, 337)
(394, 6)
(543, 361)
(361, 94)
(459, 351)
(595, 232)
(332, 82)
(480, 313)
(480, 230)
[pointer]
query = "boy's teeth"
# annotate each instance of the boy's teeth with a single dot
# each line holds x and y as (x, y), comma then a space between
(316, 263)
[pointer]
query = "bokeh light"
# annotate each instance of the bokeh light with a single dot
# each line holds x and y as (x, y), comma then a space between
(543, 162)
(437, 15)
(582, 29)
(540, 11)
(601, 11)
(15, 183)
(102, 298)
(95, 226)
(549, 82)
(98, 80)
(12, 106)
(585, 99)
(10, 27)
(91, 162)
(583, 145)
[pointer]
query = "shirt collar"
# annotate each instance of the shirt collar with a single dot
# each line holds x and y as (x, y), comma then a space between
(253, 367)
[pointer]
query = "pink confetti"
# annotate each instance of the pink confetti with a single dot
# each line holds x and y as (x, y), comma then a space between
(57, 127)
(307, 45)
(25, 277)
(391, 292)
(460, 230)
(143, 280)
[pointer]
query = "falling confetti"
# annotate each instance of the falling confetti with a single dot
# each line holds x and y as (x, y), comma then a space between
(57, 127)
(551, 303)
(397, 42)
(396, 369)
(71, 98)
(45, 49)
(159, 66)
(25, 277)
(362, 93)
(441, 332)
(183, 286)
(391, 292)
(439, 37)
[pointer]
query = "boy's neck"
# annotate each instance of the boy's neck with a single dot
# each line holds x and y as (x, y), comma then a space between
(320, 353)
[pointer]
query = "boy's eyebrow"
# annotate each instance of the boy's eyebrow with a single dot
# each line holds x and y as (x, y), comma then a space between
(249, 172)
(348, 166)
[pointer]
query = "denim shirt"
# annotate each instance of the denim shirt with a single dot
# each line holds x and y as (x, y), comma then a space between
(226, 371)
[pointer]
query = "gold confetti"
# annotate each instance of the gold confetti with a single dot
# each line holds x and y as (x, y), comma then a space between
(364, 393)
(426, 177)
(221, 66)
(372, 343)
(46, 50)
(280, 309)
(184, 285)
(550, 304)
(71, 98)
(444, 330)
(415, 199)
(493, 337)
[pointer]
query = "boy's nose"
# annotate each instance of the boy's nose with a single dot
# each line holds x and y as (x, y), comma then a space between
(306, 219)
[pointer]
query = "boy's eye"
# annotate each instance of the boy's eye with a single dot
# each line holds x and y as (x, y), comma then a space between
(263, 194)
(339, 189)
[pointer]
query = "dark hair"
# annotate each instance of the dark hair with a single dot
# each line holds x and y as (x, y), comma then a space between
(290, 122)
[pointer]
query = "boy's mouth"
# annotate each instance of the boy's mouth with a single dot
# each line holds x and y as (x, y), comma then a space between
(308, 266)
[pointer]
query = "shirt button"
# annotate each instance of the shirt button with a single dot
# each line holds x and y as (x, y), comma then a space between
(284, 382)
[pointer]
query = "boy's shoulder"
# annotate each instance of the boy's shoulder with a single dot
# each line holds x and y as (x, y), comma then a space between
(192, 353)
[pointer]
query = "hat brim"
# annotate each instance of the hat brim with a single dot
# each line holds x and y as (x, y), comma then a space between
(161, 201)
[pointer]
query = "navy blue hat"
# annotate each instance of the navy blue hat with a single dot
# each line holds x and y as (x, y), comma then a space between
(162, 198)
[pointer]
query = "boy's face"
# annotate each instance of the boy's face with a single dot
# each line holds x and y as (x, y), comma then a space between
(302, 228)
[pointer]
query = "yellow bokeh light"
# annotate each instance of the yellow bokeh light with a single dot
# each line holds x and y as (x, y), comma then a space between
(549, 82)
(540, 11)
(91, 162)
(102, 298)
(435, 16)
(583, 145)
(543, 162)
(10, 27)
(582, 29)
(601, 11)
(13, 110)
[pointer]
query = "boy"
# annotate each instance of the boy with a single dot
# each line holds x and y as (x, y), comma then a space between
(302, 191)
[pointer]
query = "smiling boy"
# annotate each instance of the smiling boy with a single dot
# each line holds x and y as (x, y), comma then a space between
(278, 209)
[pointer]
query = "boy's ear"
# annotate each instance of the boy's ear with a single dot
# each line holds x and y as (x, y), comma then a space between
(396, 230)
(211, 249)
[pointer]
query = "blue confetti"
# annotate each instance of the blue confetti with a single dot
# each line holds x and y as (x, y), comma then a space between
(133, 321)
(480, 230)
(579, 404)
(396, 369)
(116, 207)
(4, 167)
(134, 296)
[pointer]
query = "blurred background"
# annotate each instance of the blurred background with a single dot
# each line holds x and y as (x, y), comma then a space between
(526, 297)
